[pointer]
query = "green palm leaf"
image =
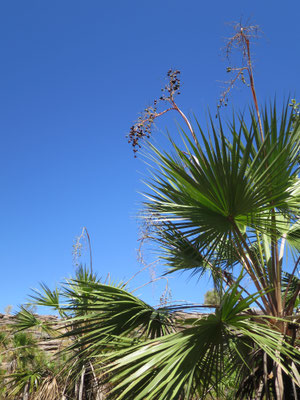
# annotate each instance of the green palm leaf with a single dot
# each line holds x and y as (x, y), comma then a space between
(109, 311)
(179, 365)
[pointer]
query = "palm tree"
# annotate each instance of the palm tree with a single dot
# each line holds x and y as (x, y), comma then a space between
(227, 204)
(230, 207)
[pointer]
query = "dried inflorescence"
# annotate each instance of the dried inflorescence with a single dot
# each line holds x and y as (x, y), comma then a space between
(142, 128)
(238, 76)
(248, 32)
(172, 87)
(241, 41)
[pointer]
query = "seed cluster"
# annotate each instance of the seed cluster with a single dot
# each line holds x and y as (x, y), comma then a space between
(239, 75)
(172, 87)
(142, 128)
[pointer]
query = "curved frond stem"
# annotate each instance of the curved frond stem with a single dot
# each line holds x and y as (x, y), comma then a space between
(276, 266)
(258, 265)
(247, 263)
(258, 241)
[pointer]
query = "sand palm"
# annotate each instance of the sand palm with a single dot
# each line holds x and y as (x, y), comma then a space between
(228, 206)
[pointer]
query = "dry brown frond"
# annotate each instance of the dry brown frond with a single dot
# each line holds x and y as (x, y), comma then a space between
(49, 390)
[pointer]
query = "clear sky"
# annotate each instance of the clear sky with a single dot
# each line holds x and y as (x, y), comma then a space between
(74, 76)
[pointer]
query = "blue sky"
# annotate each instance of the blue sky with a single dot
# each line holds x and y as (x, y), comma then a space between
(74, 76)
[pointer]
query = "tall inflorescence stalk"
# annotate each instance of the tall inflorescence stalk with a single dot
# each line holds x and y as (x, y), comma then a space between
(241, 40)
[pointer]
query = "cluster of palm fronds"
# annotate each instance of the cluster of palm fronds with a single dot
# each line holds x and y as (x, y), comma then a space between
(27, 371)
(229, 207)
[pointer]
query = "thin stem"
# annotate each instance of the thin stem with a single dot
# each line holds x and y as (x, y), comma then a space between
(90, 249)
(251, 77)
(258, 241)
(266, 376)
(258, 266)
(259, 248)
(175, 107)
(279, 388)
(138, 272)
(164, 112)
(247, 262)
(276, 266)
(148, 283)
(80, 394)
(259, 270)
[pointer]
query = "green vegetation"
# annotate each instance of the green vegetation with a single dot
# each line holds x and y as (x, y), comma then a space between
(212, 297)
(224, 202)
(28, 369)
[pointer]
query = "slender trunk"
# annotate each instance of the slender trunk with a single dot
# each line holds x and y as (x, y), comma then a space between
(76, 390)
(26, 392)
(267, 394)
(96, 387)
(279, 387)
(100, 392)
(295, 389)
(259, 391)
(80, 393)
